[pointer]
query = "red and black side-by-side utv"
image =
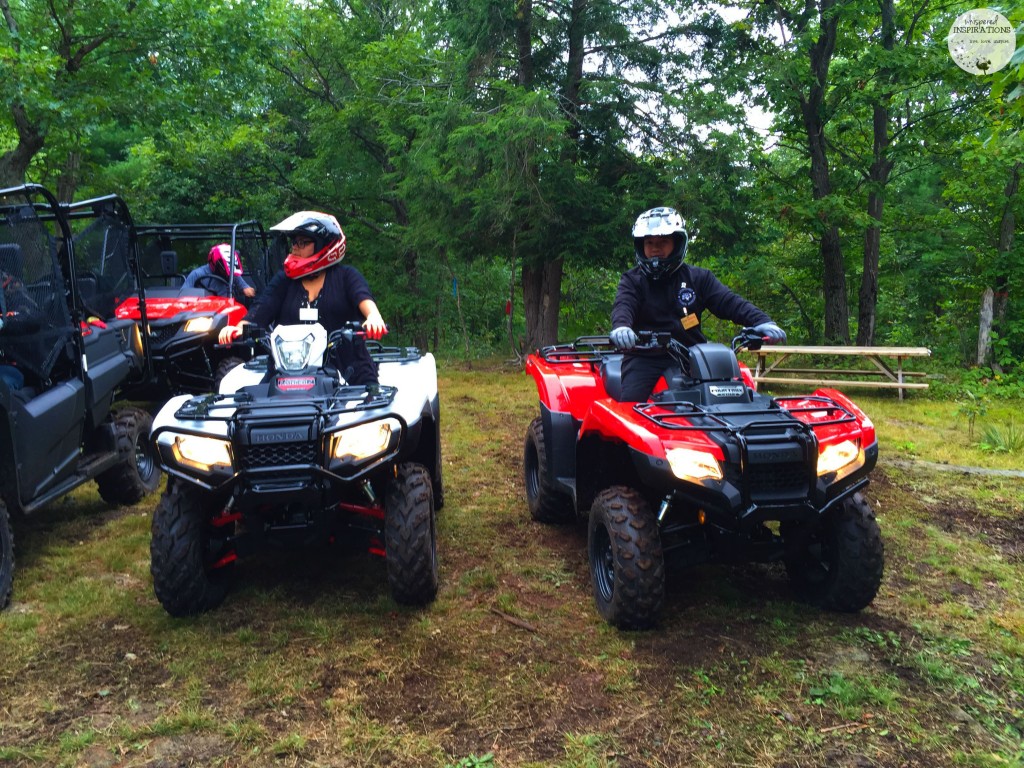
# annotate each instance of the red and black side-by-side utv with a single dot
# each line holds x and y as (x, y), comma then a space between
(183, 322)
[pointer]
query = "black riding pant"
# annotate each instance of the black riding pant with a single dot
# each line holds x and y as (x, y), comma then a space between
(640, 373)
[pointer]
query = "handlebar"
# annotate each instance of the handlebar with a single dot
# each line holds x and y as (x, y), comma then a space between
(747, 338)
(253, 336)
(350, 329)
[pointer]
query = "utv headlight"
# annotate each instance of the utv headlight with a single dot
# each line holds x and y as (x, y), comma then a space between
(688, 464)
(293, 355)
(364, 441)
(199, 325)
(833, 458)
(206, 454)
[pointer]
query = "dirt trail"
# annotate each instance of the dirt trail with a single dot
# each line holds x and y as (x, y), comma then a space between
(918, 463)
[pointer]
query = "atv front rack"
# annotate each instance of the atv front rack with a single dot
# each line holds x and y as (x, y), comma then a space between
(344, 400)
(686, 411)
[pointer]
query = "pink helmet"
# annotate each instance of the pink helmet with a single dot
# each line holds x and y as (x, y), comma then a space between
(218, 258)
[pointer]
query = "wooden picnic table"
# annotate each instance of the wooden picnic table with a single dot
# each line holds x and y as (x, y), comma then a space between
(892, 375)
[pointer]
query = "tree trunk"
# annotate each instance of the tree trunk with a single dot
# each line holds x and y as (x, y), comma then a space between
(985, 326)
(812, 107)
(837, 313)
(14, 163)
(878, 178)
(570, 101)
(1000, 293)
(524, 42)
(868, 300)
(417, 321)
(542, 292)
(67, 183)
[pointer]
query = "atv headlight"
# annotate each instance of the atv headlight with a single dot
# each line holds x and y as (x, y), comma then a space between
(834, 457)
(199, 325)
(206, 454)
(293, 355)
(364, 441)
(688, 464)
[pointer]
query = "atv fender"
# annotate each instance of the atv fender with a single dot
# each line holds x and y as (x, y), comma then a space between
(612, 420)
(748, 379)
(556, 381)
(867, 427)
(560, 431)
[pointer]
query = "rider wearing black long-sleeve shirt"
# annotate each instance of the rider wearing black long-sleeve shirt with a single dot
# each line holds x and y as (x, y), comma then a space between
(662, 293)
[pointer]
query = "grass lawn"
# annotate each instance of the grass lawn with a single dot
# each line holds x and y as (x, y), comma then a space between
(310, 663)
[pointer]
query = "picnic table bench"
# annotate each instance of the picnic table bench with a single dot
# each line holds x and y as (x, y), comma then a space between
(771, 357)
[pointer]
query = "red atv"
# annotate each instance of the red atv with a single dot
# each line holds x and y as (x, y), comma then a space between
(183, 323)
(707, 470)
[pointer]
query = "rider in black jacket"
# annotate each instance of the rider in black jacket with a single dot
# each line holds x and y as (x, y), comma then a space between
(662, 293)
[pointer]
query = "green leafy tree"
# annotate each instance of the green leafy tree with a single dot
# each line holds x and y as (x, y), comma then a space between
(72, 74)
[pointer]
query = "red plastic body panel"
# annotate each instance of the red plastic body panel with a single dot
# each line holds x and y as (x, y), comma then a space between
(611, 419)
(166, 308)
(576, 388)
(566, 387)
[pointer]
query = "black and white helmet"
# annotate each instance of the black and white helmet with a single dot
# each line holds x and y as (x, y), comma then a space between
(660, 222)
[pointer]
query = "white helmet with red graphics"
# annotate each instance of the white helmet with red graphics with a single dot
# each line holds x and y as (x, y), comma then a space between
(325, 233)
(660, 222)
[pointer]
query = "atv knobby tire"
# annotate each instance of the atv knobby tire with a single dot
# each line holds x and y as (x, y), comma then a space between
(547, 505)
(627, 564)
(6, 556)
(840, 568)
(410, 536)
(184, 549)
(138, 474)
(224, 367)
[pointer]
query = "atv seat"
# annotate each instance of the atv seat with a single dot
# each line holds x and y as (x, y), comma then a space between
(611, 376)
(88, 286)
(11, 260)
(713, 362)
(169, 267)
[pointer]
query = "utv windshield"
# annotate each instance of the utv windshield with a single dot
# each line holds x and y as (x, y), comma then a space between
(104, 250)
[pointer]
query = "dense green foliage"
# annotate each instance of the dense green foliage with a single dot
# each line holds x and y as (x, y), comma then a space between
(487, 160)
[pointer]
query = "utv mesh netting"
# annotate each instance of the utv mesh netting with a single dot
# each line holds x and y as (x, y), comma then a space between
(36, 327)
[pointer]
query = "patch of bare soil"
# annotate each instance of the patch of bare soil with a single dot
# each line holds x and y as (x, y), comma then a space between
(1004, 534)
(961, 515)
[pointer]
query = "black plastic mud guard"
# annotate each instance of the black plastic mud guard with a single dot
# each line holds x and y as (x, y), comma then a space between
(560, 430)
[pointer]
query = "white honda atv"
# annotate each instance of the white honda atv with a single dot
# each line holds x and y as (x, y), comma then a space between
(289, 454)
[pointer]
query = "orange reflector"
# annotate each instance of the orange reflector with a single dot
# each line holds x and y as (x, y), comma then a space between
(701, 517)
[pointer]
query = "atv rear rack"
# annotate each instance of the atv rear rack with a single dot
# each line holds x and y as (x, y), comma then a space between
(687, 410)
(382, 354)
(344, 400)
(585, 349)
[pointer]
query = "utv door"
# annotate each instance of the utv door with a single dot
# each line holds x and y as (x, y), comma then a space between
(43, 392)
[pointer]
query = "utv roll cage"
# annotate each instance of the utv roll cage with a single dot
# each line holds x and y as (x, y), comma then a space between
(162, 262)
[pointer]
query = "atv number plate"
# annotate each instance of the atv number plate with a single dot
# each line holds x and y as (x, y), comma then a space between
(295, 383)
